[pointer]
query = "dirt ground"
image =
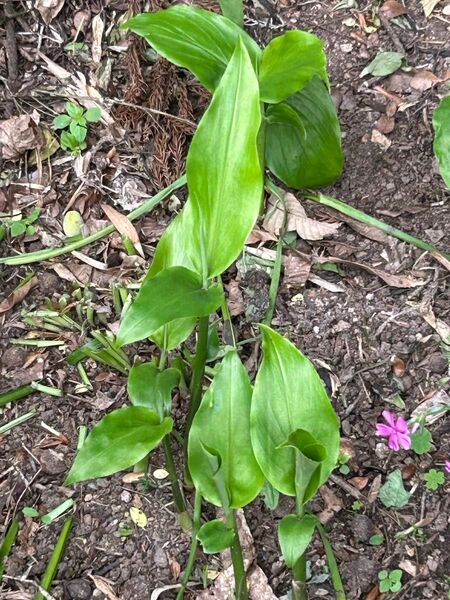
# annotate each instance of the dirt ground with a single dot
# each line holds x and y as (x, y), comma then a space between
(375, 343)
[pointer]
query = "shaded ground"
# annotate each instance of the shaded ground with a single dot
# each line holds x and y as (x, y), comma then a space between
(352, 334)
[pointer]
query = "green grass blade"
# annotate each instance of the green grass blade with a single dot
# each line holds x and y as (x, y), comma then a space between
(8, 543)
(55, 559)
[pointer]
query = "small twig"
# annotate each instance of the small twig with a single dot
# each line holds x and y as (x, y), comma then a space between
(11, 44)
(154, 111)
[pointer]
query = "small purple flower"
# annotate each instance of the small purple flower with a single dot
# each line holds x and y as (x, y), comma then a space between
(447, 466)
(396, 431)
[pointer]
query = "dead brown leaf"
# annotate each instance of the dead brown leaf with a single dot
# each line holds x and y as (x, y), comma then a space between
(17, 135)
(424, 80)
(297, 220)
(49, 9)
(124, 226)
(380, 139)
(336, 288)
(368, 231)
(235, 298)
(18, 294)
(433, 406)
(359, 482)
(385, 124)
(392, 8)
(259, 235)
(426, 312)
(296, 270)
(398, 366)
(80, 274)
(374, 594)
(428, 6)
(374, 490)
(104, 586)
(98, 27)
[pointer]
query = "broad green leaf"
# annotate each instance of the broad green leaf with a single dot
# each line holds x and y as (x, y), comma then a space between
(421, 441)
(78, 131)
(294, 535)
(233, 10)
(61, 121)
(441, 145)
(215, 536)
(74, 110)
(193, 38)
(383, 64)
(221, 425)
(174, 333)
(307, 155)
(393, 493)
(152, 388)
(223, 171)
(17, 228)
(92, 115)
(174, 293)
(271, 496)
(289, 395)
(118, 441)
(288, 63)
(309, 457)
(73, 223)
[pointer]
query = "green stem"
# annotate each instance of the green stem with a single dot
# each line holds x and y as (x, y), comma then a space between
(276, 271)
(198, 370)
(178, 497)
(8, 543)
(345, 209)
(332, 564)
(193, 549)
(240, 579)
(17, 394)
(299, 591)
(40, 255)
(55, 559)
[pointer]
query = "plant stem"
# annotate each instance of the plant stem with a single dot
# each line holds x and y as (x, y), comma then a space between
(194, 543)
(178, 497)
(350, 211)
(332, 564)
(240, 579)
(55, 559)
(17, 394)
(299, 591)
(8, 543)
(46, 254)
(198, 370)
(276, 271)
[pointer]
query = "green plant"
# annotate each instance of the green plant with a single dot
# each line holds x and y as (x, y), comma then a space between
(357, 505)
(18, 225)
(390, 581)
(74, 122)
(342, 463)
(271, 108)
(433, 479)
(441, 145)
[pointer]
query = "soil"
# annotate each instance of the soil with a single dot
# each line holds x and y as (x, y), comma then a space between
(369, 340)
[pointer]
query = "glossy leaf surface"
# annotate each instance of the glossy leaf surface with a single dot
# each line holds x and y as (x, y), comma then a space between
(196, 39)
(174, 293)
(441, 146)
(311, 155)
(215, 536)
(289, 395)
(118, 441)
(152, 388)
(221, 426)
(294, 535)
(288, 63)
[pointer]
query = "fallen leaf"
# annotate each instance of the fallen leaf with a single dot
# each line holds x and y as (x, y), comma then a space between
(359, 482)
(424, 80)
(49, 146)
(374, 594)
(368, 231)
(398, 366)
(133, 477)
(433, 406)
(175, 569)
(18, 294)
(124, 226)
(296, 270)
(426, 312)
(374, 489)
(236, 304)
(383, 64)
(428, 6)
(138, 517)
(408, 566)
(80, 274)
(392, 8)
(160, 474)
(385, 124)
(98, 27)
(258, 235)
(17, 135)
(81, 20)
(297, 220)
(49, 9)
(336, 288)
(332, 501)
(104, 587)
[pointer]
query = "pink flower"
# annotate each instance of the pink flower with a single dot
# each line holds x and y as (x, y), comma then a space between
(447, 466)
(396, 431)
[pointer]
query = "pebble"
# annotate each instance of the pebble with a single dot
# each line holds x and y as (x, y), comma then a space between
(160, 558)
(52, 462)
(362, 528)
(125, 496)
(437, 363)
(79, 589)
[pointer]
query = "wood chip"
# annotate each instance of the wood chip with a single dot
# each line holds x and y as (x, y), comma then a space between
(98, 27)
(104, 586)
(392, 8)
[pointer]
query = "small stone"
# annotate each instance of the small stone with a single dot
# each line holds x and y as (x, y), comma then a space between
(360, 575)
(362, 528)
(52, 462)
(160, 558)
(437, 363)
(125, 496)
(346, 48)
(79, 589)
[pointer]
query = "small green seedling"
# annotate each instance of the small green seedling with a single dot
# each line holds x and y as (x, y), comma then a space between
(357, 505)
(390, 581)
(342, 463)
(74, 122)
(18, 225)
(29, 511)
(433, 479)
(377, 539)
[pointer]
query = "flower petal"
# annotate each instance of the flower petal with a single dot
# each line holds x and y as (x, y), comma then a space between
(393, 442)
(447, 466)
(389, 417)
(401, 425)
(404, 440)
(384, 430)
